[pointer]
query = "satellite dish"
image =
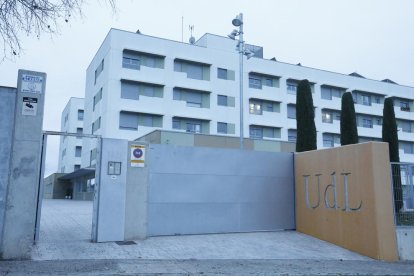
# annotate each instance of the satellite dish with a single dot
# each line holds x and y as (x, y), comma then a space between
(192, 40)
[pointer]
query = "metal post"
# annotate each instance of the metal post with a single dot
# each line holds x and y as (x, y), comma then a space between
(241, 54)
(40, 188)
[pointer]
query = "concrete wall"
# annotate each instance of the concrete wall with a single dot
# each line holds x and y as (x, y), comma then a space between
(7, 105)
(191, 190)
(405, 238)
(22, 192)
(214, 141)
(351, 204)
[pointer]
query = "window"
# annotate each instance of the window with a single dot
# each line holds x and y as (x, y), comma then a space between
(192, 98)
(259, 132)
(367, 123)
(134, 60)
(148, 90)
(255, 108)
(268, 106)
(291, 87)
(355, 97)
(222, 100)
(328, 92)
(131, 120)
(222, 73)
(271, 132)
(328, 140)
(80, 114)
(190, 125)
(99, 70)
(79, 130)
(128, 120)
(407, 147)
(256, 132)
(97, 98)
(292, 134)
(176, 124)
(150, 120)
(92, 155)
(268, 82)
(194, 70)
(132, 90)
(193, 127)
(66, 118)
(63, 153)
(366, 100)
(130, 61)
(96, 125)
(78, 151)
(405, 126)
(129, 90)
(327, 117)
(291, 111)
(404, 106)
(222, 127)
(255, 82)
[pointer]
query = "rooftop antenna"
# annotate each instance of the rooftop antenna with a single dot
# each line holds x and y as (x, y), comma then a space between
(192, 38)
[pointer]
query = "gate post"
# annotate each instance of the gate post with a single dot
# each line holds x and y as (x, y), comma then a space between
(24, 173)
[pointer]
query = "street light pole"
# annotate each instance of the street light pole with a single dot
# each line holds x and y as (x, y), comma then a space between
(241, 54)
(238, 22)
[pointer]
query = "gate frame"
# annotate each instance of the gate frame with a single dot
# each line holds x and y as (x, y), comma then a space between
(45, 134)
(408, 178)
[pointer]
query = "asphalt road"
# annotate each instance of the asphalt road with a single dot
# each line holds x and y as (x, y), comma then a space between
(205, 267)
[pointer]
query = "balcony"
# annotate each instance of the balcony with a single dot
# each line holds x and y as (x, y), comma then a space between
(406, 114)
(374, 109)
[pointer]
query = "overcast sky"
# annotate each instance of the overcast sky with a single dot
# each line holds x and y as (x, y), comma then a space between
(372, 37)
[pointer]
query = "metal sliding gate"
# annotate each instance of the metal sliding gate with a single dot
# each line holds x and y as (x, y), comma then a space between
(403, 186)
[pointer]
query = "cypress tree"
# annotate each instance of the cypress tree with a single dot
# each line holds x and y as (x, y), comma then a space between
(305, 118)
(390, 135)
(349, 131)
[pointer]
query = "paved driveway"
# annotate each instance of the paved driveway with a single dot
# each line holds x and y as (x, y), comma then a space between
(66, 227)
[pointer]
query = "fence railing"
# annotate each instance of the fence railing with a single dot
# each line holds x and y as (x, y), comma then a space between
(402, 182)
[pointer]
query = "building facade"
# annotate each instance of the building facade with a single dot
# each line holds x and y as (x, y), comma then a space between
(136, 84)
(70, 148)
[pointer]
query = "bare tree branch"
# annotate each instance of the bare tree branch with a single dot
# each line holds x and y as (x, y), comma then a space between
(33, 18)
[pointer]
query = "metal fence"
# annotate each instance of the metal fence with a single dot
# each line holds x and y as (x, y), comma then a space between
(402, 181)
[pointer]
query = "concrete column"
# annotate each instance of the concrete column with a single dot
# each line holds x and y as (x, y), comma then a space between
(21, 201)
(7, 104)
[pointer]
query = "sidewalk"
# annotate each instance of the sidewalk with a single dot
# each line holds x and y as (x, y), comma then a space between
(64, 248)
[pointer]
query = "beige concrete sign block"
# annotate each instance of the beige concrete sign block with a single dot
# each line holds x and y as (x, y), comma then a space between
(343, 196)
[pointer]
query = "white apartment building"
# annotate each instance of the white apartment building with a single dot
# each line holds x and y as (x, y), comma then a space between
(137, 83)
(70, 148)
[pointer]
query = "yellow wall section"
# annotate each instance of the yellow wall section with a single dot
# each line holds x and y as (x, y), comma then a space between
(365, 167)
